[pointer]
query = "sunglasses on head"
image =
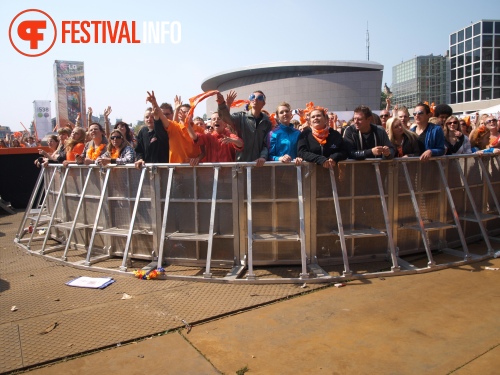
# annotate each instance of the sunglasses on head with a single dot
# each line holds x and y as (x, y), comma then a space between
(259, 97)
(418, 113)
(115, 137)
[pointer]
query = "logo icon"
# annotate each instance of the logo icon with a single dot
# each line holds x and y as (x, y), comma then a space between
(32, 32)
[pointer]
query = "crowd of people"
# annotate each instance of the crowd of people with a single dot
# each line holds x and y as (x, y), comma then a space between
(313, 134)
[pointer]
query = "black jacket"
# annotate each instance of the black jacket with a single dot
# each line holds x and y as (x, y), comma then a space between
(335, 148)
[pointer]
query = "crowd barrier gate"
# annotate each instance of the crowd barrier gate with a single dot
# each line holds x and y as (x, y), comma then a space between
(233, 222)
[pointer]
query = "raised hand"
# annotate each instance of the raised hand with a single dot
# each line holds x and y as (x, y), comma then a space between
(152, 99)
(177, 101)
(107, 111)
(230, 98)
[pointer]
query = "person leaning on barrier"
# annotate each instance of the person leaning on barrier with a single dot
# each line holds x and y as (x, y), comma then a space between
(118, 150)
(404, 141)
(282, 140)
(96, 147)
(53, 143)
(455, 142)
(152, 145)
(251, 126)
(321, 144)
(73, 147)
(430, 136)
(368, 140)
(480, 141)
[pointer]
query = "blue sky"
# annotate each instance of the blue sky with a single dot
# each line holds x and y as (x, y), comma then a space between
(218, 36)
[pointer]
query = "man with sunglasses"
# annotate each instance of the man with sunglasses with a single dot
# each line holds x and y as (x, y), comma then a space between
(430, 136)
(384, 116)
(252, 127)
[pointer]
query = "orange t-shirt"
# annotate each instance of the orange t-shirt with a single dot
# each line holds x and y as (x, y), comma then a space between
(77, 150)
(181, 146)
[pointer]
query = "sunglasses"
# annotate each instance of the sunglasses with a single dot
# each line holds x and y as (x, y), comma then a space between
(258, 97)
(418, 113)
(115, 137)
(210, 128)
(491, 121)
(452, 122)
(384, 115)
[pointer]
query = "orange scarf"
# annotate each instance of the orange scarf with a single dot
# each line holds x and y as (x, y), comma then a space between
(320, 135)
(115, 154)
(92, 153)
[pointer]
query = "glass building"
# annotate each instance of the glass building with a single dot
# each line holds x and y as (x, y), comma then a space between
(421, 79)
(475, 62)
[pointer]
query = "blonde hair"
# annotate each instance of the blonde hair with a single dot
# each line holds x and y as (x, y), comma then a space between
(124, 141)
(390, 123)
(71, 142)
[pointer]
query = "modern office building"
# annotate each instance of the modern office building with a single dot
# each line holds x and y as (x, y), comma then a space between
(475, 64)
(338, 85)
(420, 79)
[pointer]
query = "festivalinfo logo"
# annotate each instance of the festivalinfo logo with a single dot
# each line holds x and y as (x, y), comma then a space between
(34, 32)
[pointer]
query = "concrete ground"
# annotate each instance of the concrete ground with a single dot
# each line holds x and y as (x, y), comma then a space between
(432, 323)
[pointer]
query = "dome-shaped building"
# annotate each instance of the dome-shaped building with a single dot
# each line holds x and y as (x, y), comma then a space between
(337, 85)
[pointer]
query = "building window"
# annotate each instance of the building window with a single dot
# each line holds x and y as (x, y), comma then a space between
(461, 36)
(476, 42)
(487, 27)
(453, 63)
(460, 60)
(476, 55)
(468, 32)
(460, 97)
(461, 47)
(453, 39)
(460, 85)
(475, 94)
(496, 80)
(468, 83)
(497, 54)
(468, 70)
(487, 54)
(477, 68)
(477, 28)
(486, 80)
(487, 67)
(453, 51)
(453, 98)
(487, 40)
(468, 96)
(496, 93)
(476, 81)
(486, 93)
(468, 45)
(468, 58)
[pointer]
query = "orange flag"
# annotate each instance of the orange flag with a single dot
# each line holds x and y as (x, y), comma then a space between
(195, 100)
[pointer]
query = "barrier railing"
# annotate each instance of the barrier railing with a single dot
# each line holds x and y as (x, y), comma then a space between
(236, 222)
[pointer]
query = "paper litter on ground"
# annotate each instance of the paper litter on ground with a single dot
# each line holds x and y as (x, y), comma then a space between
(91, 282)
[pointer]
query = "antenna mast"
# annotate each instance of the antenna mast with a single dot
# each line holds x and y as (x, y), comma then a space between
(367, 42)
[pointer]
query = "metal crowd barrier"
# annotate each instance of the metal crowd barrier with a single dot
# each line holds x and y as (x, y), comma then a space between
(234, 222)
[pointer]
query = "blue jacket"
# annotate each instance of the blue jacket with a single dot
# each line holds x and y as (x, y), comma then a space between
(434, 139)
(282, 140)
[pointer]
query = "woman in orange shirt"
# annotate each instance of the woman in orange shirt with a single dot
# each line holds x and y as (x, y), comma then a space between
(74, 146)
